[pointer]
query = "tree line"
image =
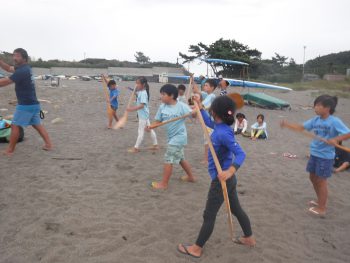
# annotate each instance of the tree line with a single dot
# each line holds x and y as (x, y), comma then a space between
(277, 69)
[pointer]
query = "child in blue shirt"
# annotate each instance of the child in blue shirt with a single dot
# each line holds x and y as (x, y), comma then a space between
(142, 109)
(320, 164)
(231, 157)
(176, 133)
(113, 99)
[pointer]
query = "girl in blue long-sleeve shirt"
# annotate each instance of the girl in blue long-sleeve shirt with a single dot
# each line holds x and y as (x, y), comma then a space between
(231, 157)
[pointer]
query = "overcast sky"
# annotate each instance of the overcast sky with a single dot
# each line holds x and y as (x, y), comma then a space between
(66, 29)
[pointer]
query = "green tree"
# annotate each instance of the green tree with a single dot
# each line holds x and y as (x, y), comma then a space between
(142, 58)
(223, 49)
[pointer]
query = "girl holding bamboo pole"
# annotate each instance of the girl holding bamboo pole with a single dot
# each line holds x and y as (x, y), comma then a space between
(231, 157)
(320, 165)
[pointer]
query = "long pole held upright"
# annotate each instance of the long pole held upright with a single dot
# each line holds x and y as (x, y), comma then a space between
(189, 90)
(218, 168)
(122, 121)
(105, 89)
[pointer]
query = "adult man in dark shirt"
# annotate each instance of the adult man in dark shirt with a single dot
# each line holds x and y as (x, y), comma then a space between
(28, 107)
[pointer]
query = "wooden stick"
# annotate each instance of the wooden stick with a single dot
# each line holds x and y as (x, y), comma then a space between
(105, 89)
(68, 158)
(159, 124)
(314, 136)
(122, 121)
(189, 91)
(218, 168)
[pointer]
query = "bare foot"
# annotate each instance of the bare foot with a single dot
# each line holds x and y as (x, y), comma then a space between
(159, 186)
(188, 179)
(47, 147)
(193, 250)
(246, 241)
(133, 150)
(8, 153)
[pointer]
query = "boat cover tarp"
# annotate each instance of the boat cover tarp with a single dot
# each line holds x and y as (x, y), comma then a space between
(266, 101)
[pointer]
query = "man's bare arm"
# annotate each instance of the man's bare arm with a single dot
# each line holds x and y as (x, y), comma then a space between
(6, 67)
(5, 82)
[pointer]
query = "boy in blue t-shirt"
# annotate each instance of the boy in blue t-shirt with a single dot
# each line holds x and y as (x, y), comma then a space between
(208, 97)
(325, 126)
(28, 107)
(176, 133)
(113, 98)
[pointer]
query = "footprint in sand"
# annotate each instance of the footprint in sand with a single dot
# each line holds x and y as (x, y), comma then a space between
(54, 227)
(124, 167)
(133, 181)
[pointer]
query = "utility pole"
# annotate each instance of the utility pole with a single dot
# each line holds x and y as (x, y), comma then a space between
(303, 64)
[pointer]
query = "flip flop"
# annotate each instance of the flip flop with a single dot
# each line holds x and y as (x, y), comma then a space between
(289, 155)
(184, 178)
(239, 242)
(153, 185)
(313, 203)
(133, 150)
(45, 148)
(314, 212)
(186, 252)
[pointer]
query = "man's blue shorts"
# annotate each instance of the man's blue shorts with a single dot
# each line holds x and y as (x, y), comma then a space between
(320, 166)
(27, 115)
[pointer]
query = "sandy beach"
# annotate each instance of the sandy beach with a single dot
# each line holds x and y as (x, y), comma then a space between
(89, 200)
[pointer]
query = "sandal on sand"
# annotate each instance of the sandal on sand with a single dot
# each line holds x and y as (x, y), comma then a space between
(239, 242)
(185, 178)
(154, 185)
(289, 155)
(313, 203)
(133, 150)
(47, 148)
(186, 252)
(314, 212)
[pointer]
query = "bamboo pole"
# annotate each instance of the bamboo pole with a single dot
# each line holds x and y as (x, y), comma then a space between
(159, 124)
(315, 137)
(122, 121)
(219, 170)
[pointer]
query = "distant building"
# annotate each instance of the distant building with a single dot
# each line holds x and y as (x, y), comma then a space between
(311, 77)
(348, 72)
(331, 77)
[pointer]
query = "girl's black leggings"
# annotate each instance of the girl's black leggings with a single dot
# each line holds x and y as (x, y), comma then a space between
(214, 202)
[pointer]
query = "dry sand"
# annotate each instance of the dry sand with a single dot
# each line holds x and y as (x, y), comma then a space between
(90, 201)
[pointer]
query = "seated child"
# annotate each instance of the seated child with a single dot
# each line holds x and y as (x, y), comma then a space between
(241, 124)
(259, 129)
(341, 160)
